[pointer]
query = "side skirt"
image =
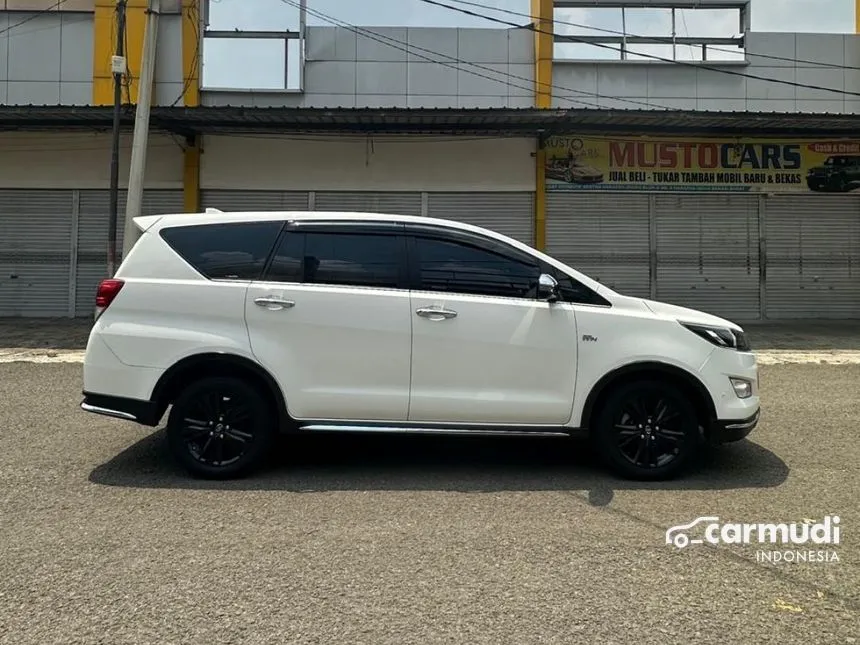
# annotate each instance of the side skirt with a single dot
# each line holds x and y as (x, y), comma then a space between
(440, 429)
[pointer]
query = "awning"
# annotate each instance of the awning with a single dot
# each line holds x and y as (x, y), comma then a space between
(522, 122)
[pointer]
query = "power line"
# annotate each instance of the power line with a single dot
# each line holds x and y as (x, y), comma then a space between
(406, 47)
(195, 20)
(615, 32)
(36, 14)
(694, 65)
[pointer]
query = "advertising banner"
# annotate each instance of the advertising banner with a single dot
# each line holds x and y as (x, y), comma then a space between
(701, 164)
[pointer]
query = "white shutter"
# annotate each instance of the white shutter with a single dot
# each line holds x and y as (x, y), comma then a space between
(255, 200)
(35, 252)
(394, 203)
(813, 256)
(603, 235)
(708, 253)
(510, 214)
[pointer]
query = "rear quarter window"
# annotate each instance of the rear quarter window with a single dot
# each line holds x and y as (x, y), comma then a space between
(234, 251)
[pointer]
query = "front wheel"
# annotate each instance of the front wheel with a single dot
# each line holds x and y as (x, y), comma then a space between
(220, 427)
(647, 430)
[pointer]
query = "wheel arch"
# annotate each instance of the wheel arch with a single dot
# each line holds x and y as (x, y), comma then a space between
(208, 364)
(686, 381)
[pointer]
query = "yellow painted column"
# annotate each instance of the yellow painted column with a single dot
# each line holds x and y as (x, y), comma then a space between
(857, 16)
(542, 18)
(192, 56)
(104, 46)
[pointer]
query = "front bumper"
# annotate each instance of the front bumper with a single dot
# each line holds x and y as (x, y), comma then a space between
(729, 430)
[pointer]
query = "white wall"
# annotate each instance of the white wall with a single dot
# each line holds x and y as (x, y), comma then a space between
(637, 85)
(81, 160)
(317, 163)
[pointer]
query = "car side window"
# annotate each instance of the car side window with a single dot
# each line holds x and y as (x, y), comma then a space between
(286, 265)
(338, 258)
(234, 251)
(456, 266)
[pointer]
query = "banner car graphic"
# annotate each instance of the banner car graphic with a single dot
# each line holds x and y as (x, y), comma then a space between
(662, 163)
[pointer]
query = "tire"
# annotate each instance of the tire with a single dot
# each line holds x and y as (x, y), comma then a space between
(623, 432)
(214, 405)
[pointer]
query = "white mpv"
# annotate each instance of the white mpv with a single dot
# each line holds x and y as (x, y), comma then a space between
(246, 325)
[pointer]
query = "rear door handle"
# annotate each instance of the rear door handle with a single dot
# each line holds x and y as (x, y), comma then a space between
(436, 313)
(274, 303)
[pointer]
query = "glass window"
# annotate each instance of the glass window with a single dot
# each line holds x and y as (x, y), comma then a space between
(354, 259)
(286, 263)
(460, 267)
(235, 251)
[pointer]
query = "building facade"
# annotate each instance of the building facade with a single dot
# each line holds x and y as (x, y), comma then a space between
(729, 192)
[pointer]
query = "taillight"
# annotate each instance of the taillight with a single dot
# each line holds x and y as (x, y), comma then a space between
(107, 291)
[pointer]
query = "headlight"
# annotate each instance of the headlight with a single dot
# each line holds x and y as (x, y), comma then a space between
(721, 336)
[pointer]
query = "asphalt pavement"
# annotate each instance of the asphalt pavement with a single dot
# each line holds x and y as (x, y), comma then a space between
(378, 540)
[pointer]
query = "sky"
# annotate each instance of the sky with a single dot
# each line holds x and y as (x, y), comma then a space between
(236, 63)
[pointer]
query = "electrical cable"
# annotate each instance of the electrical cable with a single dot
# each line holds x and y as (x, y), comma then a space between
(36, 14)
(195, 20)
(621, 33)
(694, 65)
(457, 63)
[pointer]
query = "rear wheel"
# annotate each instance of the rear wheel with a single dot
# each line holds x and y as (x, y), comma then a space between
(647, 430)
(220, 427)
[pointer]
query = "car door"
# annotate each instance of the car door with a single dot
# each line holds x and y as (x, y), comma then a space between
(484, 348)
(331, 320)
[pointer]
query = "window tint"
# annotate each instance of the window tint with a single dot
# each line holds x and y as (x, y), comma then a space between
(353, 259)
(225, 251)
(459, 267)
(571, 290)
(287, 261)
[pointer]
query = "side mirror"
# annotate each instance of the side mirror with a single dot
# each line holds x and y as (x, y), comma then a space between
(547, 288)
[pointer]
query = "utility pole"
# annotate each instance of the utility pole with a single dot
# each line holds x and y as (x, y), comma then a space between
(140, 141)
(117, 110)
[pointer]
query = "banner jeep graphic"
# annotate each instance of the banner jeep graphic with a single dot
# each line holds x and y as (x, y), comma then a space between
(662, 163)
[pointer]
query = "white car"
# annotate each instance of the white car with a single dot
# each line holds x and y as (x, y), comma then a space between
(250, 324)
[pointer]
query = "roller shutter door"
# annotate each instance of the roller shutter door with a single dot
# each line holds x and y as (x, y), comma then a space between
(255, 200)
(708, 253)
(510, 214)
(605, 236)
(813, 256)
(35, 252)
(394, 203)
(93, 223)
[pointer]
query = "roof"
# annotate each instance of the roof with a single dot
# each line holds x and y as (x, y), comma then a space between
(449, 121)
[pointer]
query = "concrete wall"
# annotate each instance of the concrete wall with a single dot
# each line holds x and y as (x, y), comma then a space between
(645, 84)
(361, 164)
(48, 60)
(82, 160)
(345, 69)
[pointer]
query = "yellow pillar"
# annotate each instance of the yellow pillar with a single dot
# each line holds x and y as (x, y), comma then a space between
(192, 56)
(542, 18)
(857, 16)
(104, 46)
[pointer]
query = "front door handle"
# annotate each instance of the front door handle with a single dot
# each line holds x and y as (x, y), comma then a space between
(434, 313)
(274, 303)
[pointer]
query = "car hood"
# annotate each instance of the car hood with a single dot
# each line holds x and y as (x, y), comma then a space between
(688, 315)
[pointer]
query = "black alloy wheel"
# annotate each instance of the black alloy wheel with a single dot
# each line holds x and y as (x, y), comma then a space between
(220, 427)
(647, 430)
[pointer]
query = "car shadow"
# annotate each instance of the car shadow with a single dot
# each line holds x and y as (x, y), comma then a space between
(349, 462)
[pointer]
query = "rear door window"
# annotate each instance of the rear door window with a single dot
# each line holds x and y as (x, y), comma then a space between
(230, 251)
